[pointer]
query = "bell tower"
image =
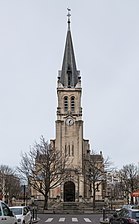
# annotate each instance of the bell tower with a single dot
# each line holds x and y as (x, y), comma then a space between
(69, 124)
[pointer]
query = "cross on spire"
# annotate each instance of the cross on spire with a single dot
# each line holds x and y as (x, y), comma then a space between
(69, 15)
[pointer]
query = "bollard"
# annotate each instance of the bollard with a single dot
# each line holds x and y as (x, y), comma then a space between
(104, 218)
(36, 214)
(33, 215)
(104, 213)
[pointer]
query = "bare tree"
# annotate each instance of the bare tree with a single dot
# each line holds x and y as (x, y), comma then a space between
(96, 173)
(129, 180)
(10, 183)
(43, 167)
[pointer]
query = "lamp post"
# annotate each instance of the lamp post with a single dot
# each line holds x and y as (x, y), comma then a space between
(24, 192)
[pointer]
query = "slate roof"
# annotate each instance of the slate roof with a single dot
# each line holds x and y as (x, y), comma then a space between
(69, 76)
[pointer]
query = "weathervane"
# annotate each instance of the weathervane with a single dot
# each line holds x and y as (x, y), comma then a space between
(69, 15)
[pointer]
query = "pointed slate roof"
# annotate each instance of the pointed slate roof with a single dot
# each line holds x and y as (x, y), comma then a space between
(69, 73)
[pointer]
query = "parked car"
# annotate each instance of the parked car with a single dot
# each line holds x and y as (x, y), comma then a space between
(128, 206)
(23, 214)
(6, 215)
(125, 216)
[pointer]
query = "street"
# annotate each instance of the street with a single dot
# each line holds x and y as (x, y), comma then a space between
(69, 218)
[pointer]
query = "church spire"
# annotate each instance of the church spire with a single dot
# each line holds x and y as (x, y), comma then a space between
(69, 74)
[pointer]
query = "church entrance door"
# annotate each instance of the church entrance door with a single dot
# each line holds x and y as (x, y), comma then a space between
(69, 191)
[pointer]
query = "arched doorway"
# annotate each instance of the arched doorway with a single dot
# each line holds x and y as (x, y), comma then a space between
(69, 191)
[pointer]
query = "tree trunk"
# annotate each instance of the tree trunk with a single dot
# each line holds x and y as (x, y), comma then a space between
(45, 202)
(94, 197)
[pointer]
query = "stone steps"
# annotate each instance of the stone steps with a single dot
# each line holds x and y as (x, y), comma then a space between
(70, 206)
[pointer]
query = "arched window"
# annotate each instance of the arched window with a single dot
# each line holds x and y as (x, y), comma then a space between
(69, 150)
(69, 76)
(72, 103)
(72, 150)
(65, 150)
(69, 80)
(65, 103)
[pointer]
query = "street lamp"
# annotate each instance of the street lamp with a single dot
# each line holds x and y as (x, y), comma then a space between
(24, 193)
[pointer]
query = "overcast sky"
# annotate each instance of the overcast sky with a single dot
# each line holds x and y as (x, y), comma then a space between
(106, 43)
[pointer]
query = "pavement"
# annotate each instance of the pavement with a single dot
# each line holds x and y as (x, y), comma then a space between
(104, 221)
(35, 220)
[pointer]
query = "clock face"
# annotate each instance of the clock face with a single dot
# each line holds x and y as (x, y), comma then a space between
(69, 121)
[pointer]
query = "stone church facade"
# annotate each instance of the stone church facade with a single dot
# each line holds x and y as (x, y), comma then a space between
(69, 129)
(69, 139)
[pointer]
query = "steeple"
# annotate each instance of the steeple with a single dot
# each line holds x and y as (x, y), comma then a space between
(69, 76)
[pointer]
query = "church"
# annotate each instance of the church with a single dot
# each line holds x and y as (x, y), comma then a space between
(69, 129)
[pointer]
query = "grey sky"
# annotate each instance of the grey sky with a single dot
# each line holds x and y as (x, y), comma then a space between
(106, 42)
